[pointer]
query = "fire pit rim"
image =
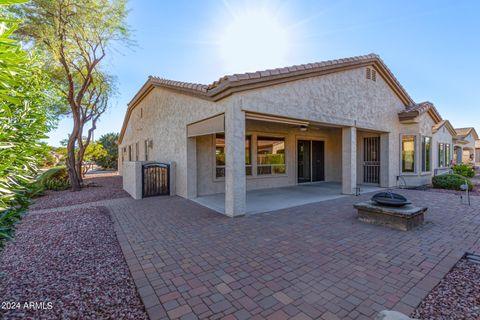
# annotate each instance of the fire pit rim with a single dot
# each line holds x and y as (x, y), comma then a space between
(390, 199)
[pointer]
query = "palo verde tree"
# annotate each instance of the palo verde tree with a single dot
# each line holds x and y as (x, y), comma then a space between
(26, 95)
(76, 35)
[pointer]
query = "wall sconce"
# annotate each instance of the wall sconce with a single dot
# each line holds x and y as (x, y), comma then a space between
(303, 128)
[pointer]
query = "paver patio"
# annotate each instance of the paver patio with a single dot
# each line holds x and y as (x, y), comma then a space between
(308, 262)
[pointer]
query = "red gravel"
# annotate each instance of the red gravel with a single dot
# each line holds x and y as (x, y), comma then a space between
(457, 296)
(109, 187)
(73, 260)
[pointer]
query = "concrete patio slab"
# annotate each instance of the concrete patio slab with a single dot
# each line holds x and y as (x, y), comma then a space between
(271, 199)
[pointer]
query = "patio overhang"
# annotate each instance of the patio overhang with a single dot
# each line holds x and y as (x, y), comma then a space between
(207, 126)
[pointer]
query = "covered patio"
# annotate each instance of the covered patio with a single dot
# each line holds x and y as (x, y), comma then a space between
(248, 162)
(265, 200)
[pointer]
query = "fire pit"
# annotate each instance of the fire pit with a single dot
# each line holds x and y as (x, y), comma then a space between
(392, 210)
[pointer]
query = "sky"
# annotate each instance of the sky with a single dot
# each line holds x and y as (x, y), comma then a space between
(432, 47)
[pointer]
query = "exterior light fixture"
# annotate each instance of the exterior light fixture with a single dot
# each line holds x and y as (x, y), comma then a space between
(303, 128)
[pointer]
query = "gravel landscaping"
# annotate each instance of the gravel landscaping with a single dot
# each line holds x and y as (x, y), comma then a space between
(72, 263)
(109, 186)
(457, 296)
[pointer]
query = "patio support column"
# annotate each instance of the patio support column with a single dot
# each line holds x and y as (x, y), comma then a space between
(235, 181)
(385, 160)
(349, 160)
(191, 167)
(459, 155)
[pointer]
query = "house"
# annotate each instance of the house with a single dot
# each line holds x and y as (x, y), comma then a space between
(347, 121)
(477, 152)
(465, 144)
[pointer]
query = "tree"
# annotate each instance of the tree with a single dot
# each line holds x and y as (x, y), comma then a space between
(109, 142)
(26, 95)
(93, 153)
(75, 35)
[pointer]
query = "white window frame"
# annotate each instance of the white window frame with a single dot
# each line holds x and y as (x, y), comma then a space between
(415, 154)
(253, 155)
(422, 152)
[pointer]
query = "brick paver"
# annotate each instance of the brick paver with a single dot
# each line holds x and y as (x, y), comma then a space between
(315, 261)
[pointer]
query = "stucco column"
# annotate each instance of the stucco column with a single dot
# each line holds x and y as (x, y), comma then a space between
(191, 168)
(235, 181)
(349, 160)
(385, 160)
(459, 155)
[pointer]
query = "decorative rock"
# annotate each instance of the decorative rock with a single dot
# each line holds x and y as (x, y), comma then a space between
(401, 218)
(392, 315)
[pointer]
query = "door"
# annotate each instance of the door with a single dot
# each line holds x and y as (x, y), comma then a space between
(310, 161)
(303, 158)
(318, 164)
(371, 160)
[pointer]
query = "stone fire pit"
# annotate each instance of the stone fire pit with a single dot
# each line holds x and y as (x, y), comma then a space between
(401, 218)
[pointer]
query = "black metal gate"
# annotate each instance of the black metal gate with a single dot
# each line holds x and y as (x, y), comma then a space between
(155, 179)
(371, 160)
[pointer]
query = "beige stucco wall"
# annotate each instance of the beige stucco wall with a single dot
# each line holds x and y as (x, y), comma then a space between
(468, 149)
(162, 116)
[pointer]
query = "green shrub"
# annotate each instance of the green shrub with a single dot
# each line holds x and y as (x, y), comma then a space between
(55, 179)
(464, 170)
(450, 181)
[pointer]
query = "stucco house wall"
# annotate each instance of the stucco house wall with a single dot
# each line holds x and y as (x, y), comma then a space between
(162, 117)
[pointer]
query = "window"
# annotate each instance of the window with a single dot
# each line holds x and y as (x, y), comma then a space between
(270, 155)
(130, 153)
(444, 155)
(448, 154)
(136, 151)
(248, 155)
(220, 155)
(408, 153)
(146, 149)
(426, 154)
(441, 155)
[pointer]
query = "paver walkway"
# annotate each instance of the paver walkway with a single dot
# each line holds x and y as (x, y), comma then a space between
(310, 262)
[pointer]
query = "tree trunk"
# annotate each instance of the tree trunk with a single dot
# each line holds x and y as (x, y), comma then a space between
(80, 154)
(71, 163)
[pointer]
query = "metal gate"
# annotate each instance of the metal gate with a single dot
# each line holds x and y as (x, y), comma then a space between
(371, 160)
(155, 179)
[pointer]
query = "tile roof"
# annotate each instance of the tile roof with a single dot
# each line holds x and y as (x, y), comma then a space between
(463, 131)
(418, 109)
(216, 90)
(447, 124)
(230, 84)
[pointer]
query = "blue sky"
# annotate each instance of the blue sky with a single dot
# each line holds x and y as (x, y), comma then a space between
(432, 47)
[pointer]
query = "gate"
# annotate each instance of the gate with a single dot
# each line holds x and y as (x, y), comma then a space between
(371, 160)
(155, 179)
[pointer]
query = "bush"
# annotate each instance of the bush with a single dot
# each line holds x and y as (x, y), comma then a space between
(464, 170)
(450, 181)
(55, 179)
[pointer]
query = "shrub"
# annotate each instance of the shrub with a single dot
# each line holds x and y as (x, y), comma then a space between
(450, 181)
(55, 179)
(464, 170)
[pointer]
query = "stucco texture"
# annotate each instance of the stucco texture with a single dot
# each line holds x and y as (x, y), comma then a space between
(162, 116)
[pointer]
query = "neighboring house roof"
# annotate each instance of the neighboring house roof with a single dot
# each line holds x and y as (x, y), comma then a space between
(464, 132)
(230, 84)
(420, 108)
(446, 124)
